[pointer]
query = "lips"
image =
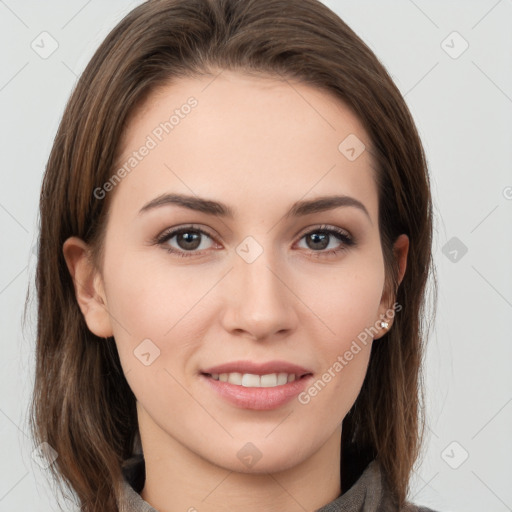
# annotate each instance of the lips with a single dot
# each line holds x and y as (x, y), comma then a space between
(258, 386)
(253, 368)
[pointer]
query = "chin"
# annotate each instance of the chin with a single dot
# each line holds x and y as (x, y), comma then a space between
(254, 458)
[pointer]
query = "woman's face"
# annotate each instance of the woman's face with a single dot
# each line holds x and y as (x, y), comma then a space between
(248, 273)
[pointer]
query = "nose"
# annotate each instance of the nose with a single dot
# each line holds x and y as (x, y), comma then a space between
(259, 302)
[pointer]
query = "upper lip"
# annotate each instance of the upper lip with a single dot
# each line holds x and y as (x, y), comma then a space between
(258, 368)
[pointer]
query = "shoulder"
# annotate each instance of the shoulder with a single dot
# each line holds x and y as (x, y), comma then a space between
(388, 502)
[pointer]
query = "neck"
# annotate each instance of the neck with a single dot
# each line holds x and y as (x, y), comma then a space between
(179, 479)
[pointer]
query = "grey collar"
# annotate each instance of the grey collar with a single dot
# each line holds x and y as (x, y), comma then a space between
(367, 494)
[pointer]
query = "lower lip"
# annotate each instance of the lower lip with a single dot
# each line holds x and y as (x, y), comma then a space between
(261, 399)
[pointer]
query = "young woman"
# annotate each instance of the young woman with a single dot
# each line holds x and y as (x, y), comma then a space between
(235, 243)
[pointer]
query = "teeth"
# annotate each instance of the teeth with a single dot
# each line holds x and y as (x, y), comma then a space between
(235, 378)
(268, 381)
(282, 378)
(250, 380)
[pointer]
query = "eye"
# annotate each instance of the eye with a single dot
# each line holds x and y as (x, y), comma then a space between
(331, 238)
(189, 240)
(192, 241)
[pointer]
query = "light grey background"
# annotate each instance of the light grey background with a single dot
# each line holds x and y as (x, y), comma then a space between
(462, 105)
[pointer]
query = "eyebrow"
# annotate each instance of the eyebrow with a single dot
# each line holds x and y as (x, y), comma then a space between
(298, 209)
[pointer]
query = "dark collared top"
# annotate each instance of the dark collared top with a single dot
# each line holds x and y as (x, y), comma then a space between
(368, 493)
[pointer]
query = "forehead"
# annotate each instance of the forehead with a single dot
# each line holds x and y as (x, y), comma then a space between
(246, 140)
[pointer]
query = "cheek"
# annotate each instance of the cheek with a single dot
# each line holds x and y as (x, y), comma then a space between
(350, 310)
(345, 300)
(146, 297)
(150, 309)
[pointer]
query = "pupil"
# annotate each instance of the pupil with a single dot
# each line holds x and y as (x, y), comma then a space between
(319, 237)
(190, 240)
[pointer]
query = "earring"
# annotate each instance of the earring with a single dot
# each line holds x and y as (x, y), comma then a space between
(384, 324)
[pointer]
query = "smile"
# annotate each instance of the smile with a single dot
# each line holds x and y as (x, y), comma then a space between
(250, 380)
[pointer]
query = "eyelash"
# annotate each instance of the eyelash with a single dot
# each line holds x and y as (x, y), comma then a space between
(342, 235)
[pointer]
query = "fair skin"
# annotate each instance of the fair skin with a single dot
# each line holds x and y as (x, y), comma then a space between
(257, 145)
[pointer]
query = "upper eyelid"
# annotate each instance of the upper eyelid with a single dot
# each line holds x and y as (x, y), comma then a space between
(172, 232)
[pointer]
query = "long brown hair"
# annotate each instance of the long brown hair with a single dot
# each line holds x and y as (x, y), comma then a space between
(82, 405)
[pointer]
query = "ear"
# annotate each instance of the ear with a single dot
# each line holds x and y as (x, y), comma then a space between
(400, 251)
(89, 288)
